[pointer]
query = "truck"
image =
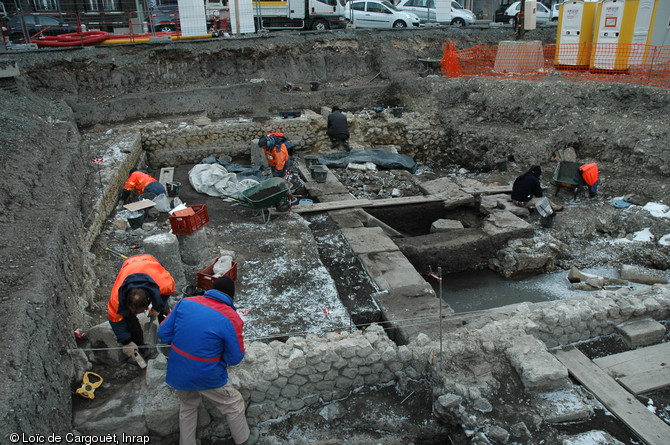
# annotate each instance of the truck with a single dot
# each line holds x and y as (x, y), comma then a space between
(318, 15)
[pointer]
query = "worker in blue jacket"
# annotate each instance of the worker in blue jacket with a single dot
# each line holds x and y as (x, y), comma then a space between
(205, 333)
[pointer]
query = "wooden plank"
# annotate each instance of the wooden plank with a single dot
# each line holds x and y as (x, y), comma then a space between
(139, 205)
(167, 175)
(351, 203)
(641, 370)
(334, 205)
(646, 381)
(646, 425)
(406, 200)
(638, 360)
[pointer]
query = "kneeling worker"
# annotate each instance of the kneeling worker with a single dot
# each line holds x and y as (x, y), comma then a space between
(141, 182)
(527, 191)
(141, 281)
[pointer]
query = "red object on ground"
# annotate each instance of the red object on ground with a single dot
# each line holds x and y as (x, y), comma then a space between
(206, 279)
(187, 225)
(73, 39)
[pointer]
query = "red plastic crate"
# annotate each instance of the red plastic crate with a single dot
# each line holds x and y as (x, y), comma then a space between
(186, 225)
(206, 280)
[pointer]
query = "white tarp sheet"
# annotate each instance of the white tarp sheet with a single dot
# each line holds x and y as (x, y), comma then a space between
(215, 180)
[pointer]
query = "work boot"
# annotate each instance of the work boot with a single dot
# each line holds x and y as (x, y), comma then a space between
(253, 436)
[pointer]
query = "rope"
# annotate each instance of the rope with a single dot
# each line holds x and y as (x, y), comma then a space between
(405, 322)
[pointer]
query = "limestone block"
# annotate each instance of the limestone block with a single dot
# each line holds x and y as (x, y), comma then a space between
(445, 225)
(156, 371)
(563, 405)
(643, 275)
(538, 369)
(102, 336)
(289, 391)
(343, 382)
(642, 332)
(165, 248)
(298, 380)
(297, 359)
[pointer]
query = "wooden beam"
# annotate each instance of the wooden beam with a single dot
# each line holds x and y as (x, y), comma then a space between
(334, 205)
(351, 203)
(646, 425)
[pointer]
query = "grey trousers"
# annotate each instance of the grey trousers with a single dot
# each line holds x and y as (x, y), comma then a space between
(227, 399)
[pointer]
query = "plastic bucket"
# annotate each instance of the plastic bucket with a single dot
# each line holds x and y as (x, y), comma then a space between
(136, 219)
(173, 189)
(319, 172)
(311, 160)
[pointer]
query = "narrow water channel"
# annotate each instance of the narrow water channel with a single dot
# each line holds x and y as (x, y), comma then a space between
(485, 289)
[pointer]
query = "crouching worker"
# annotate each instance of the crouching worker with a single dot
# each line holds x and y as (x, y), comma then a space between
(278, 151)
(527, 191)
(141, 281)
(205, 333)
(588, 177)
(140, 181)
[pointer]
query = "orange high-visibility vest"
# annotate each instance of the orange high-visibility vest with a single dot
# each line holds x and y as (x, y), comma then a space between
(146, 264)
(277, 155)
(137, 181)
(589, 173)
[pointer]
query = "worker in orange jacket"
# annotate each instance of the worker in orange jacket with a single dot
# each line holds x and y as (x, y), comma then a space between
(142, 281)
(588, 176)
(278, 151)
(141, 181)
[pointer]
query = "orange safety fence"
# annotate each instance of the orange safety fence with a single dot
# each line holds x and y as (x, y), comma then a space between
(636, 64)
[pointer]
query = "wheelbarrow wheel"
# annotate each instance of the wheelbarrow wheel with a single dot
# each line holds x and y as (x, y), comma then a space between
(283, 206)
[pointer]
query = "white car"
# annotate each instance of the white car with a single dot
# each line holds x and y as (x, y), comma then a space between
(425, 9)
(555, 12)
(379, 14)
(542, 13)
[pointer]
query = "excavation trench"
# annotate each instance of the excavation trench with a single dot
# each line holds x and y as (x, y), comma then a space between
(297, 279)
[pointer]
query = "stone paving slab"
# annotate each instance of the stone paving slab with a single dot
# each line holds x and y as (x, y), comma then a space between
(411, 310)
(391, 270)
(643, 332)
(506, 223)
(366, 240)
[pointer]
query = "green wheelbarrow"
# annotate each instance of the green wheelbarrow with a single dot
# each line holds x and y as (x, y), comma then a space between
(263, 196)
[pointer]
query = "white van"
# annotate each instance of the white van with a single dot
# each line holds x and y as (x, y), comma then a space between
(425, 9)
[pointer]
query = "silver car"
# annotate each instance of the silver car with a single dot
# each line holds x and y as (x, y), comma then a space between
(426, 11)
(379, 14)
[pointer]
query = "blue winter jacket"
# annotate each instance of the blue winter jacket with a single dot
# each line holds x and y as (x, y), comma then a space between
(206, 336)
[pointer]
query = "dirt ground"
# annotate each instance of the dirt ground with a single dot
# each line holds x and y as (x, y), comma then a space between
(46, 198)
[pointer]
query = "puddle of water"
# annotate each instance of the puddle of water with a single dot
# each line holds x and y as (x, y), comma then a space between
(485, 289)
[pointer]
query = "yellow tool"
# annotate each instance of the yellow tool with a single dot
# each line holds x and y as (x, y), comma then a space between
(87, 387)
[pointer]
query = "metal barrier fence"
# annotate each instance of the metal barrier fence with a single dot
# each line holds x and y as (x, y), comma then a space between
(635, 64)
(44, 29)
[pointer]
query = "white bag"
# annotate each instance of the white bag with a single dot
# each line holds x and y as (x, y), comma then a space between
(222, 266)
(162, 203)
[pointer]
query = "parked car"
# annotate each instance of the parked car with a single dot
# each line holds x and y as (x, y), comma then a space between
(508, 13)
(555, 12)
(379, 14)
(37, 25)
(164, 18)
(425, 9)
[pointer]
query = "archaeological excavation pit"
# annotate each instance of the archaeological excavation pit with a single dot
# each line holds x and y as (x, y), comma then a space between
(308, 279)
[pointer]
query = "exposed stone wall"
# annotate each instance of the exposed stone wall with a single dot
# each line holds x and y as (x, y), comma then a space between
(183, 144)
